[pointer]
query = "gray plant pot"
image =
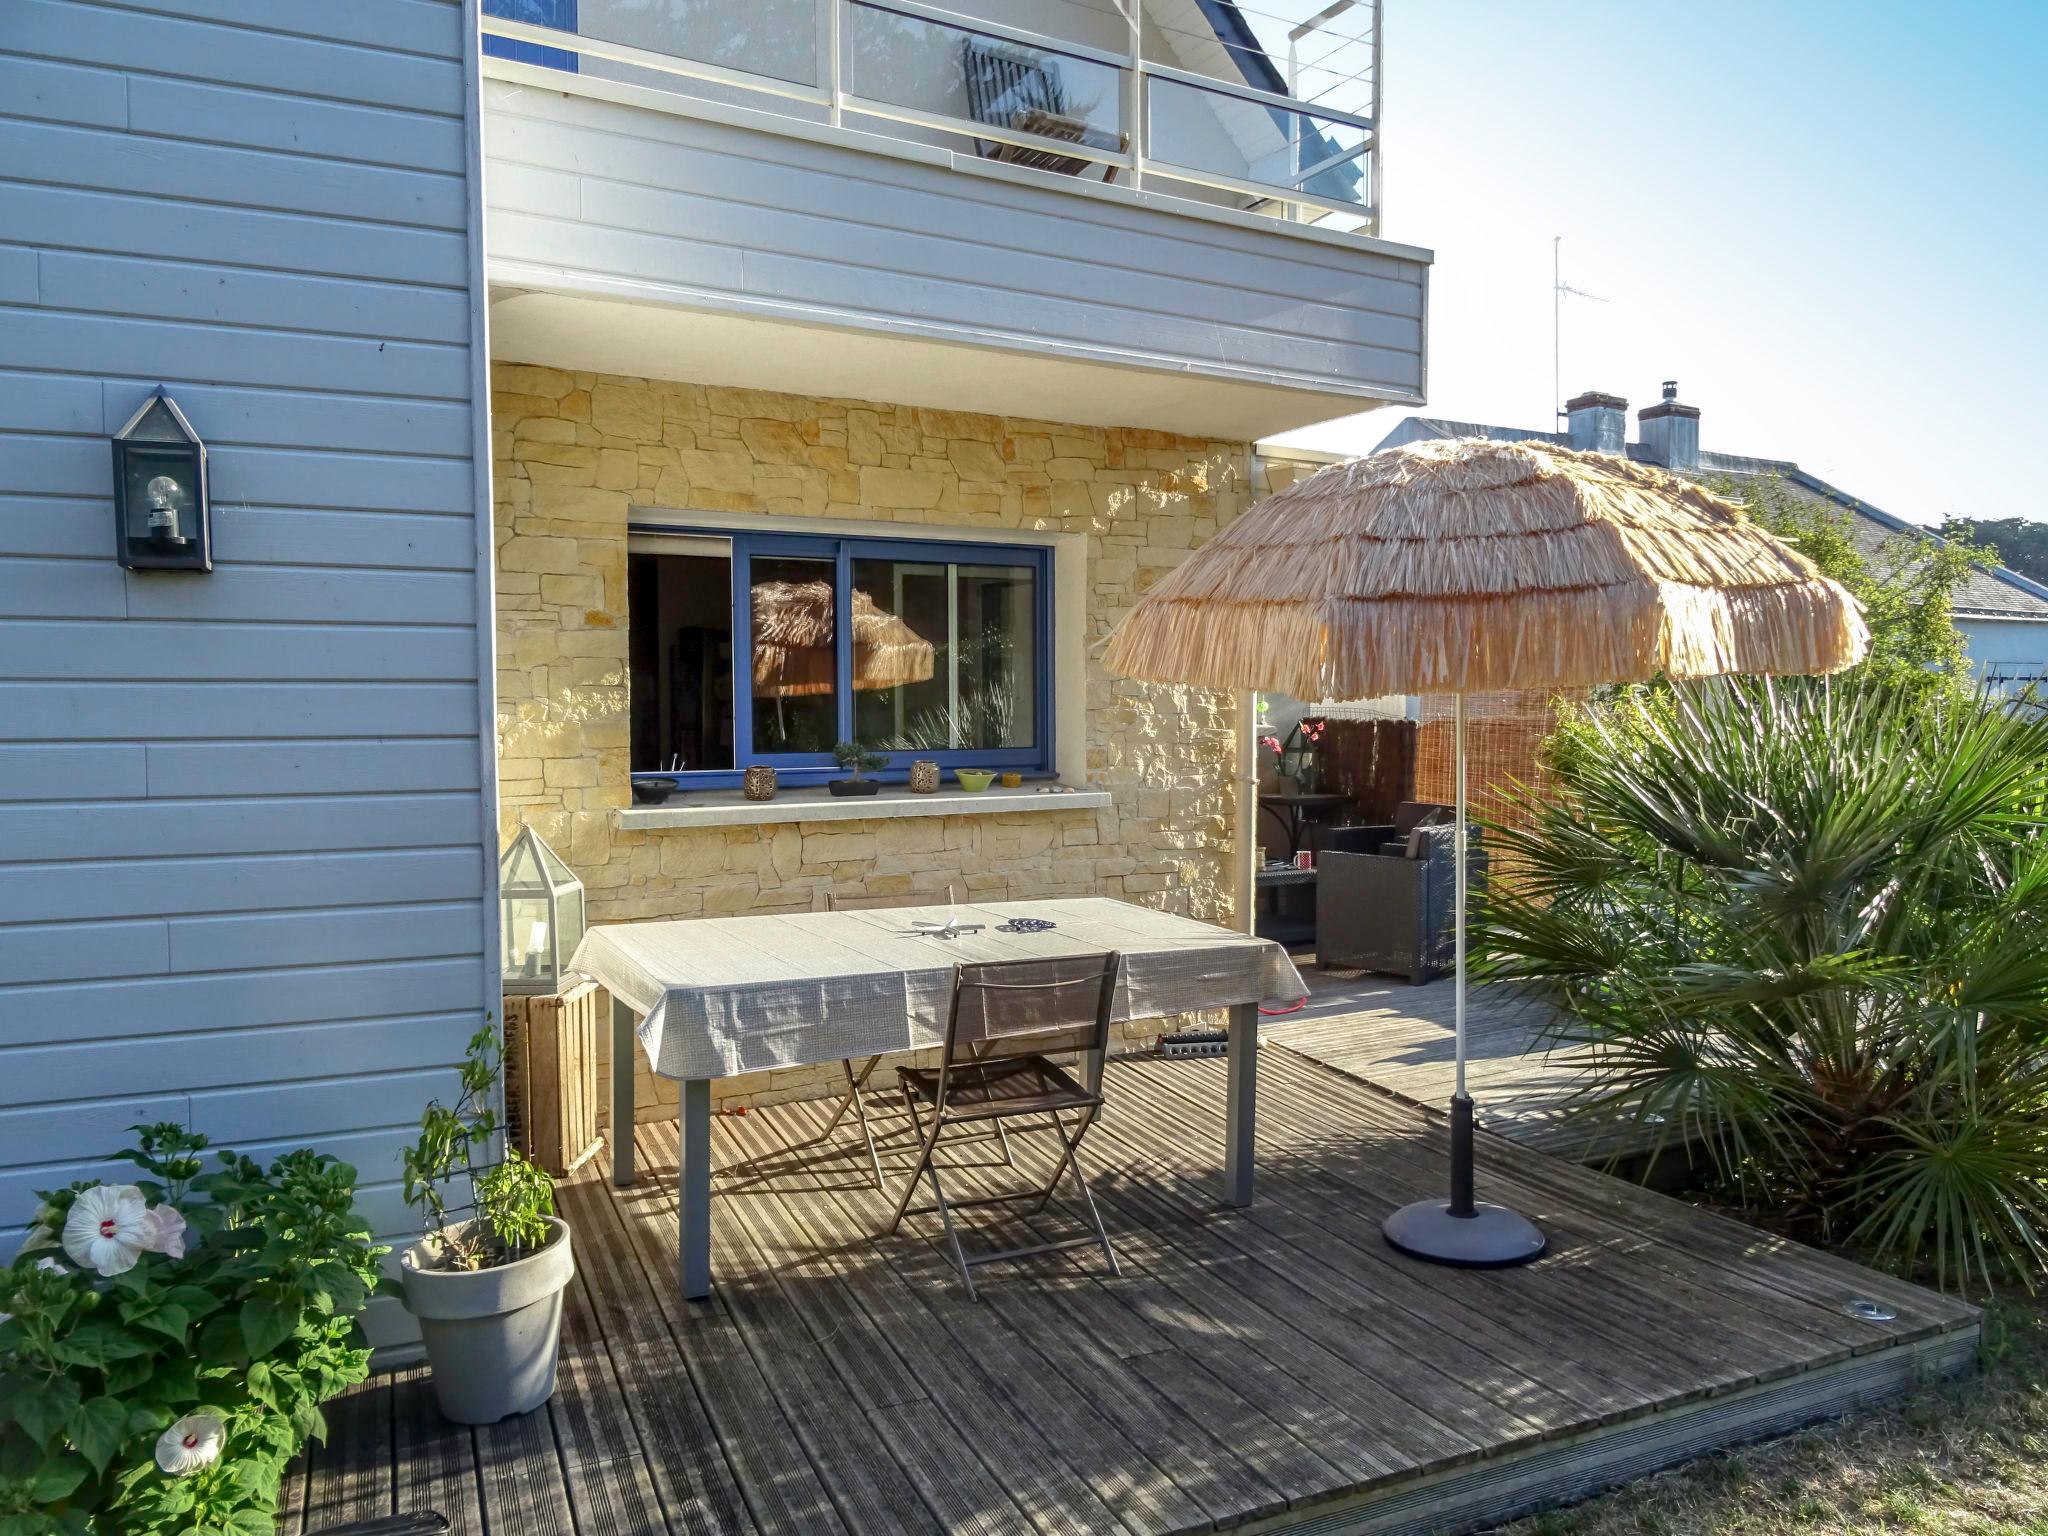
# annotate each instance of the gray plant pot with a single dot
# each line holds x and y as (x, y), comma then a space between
(491, 1334)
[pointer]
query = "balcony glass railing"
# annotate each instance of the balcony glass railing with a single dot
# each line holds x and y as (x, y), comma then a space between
(1028, 102)
(1222, 103)
(1256, 144)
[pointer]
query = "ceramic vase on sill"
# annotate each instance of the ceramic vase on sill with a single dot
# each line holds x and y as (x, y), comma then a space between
(758, 782)
(924, 777)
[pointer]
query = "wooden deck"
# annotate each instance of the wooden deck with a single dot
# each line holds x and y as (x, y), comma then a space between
(1256, 1367)
(1399, 1037)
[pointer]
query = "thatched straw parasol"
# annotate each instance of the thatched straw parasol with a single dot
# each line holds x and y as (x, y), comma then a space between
(1464, 564)
(793, 636)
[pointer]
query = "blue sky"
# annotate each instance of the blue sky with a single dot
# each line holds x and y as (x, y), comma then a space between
(1828, 221)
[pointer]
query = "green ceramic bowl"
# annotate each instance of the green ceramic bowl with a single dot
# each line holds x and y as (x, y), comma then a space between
(974, 780)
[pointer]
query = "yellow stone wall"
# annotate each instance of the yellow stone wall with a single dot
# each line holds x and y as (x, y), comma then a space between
(573, 452)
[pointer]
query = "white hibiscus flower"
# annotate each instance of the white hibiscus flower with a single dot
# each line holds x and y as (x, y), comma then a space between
(167, 1231)
(191, 1443)
(107, 1227)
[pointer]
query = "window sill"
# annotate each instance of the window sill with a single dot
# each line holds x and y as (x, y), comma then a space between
(729, 808)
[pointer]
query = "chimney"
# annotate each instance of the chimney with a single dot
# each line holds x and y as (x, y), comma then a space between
(1597, 422)
(1670, 432)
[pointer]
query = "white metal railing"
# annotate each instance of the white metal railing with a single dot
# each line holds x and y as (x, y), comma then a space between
(922, 72)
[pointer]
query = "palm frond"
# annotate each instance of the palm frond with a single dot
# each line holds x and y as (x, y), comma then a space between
(1809, 921)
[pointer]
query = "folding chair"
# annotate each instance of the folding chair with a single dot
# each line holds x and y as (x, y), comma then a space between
(855, 1100)
(1005, 1020)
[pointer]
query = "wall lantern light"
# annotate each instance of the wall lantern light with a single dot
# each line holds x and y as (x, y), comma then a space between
(540, 906)
(162, 520)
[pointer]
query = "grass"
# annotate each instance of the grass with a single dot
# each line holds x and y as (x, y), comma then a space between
(1967, 1457)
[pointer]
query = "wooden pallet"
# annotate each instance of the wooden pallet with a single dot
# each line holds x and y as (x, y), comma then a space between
(551, 1084)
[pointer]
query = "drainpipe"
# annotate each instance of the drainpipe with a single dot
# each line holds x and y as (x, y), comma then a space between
(1247, 805)
(1246, 777)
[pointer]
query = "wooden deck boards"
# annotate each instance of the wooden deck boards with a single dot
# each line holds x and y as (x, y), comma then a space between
(1248, 1367)
(1400, 1037)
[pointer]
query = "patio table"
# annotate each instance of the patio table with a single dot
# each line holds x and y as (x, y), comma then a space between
(721, 996)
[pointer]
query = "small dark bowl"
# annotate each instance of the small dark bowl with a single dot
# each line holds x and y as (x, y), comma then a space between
(652, 791)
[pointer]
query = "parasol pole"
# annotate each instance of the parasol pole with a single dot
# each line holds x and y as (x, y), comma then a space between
(1462, 1231)
(1461, 1101)
(1406, 591)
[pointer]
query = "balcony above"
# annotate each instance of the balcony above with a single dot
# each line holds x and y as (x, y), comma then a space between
(954, 211)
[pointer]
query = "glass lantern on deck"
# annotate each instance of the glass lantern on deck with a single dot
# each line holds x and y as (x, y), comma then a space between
(540, 906)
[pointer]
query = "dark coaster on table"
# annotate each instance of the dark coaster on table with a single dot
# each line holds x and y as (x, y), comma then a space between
(1026, 925)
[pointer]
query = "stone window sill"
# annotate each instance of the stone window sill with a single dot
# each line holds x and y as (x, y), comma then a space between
(729, 808)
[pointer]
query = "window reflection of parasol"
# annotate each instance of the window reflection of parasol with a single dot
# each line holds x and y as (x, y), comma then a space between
(794, 651)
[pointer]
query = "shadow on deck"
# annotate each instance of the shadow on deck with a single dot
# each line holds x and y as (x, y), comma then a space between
(1400, 1038)
(1252, 1367)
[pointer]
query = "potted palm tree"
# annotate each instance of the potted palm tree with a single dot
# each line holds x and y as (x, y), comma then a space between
(487, 1290)
(854, 757)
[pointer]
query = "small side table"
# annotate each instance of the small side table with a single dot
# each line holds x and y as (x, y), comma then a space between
(1284, 904)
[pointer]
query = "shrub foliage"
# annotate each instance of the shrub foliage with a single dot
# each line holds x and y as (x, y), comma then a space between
(1807, 924)
(252, 1326)
(511, 1199)
(1906, 584)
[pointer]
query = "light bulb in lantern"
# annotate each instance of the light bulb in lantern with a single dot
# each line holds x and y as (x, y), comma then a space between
(163, 512)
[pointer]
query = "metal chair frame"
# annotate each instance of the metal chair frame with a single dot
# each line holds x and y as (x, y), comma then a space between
(1085, 1101)
(854, 1099)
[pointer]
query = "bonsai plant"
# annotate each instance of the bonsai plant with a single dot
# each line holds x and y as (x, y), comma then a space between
(854, 757)
(487, 1291)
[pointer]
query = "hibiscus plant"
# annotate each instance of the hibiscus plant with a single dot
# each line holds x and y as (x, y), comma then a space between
(511, 1197)
(166, 1345)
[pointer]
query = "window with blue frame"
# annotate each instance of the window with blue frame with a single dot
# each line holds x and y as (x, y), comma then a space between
(771, 648)
(559, 14)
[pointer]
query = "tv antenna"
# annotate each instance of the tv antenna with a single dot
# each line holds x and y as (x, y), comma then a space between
(1559, 291)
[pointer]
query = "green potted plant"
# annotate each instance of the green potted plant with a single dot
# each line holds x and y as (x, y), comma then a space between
(854, 757)
(487, 1291)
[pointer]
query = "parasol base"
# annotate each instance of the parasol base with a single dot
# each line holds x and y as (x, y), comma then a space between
(1492, 1237)
(1462, 1231)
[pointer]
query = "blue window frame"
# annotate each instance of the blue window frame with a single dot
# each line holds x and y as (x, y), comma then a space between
(917, 648)
(559, 14)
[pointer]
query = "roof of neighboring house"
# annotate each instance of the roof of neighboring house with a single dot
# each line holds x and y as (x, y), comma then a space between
(1236, 34)
(1256, 65)
(1987, 593)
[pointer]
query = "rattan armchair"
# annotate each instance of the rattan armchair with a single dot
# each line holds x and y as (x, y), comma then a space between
(1384, 893)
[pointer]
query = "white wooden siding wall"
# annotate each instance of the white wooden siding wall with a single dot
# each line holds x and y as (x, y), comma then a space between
(599, 196)
(2010, 647)
(243, 870)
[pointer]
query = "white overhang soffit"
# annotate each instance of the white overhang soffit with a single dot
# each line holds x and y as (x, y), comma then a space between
(665, 341)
